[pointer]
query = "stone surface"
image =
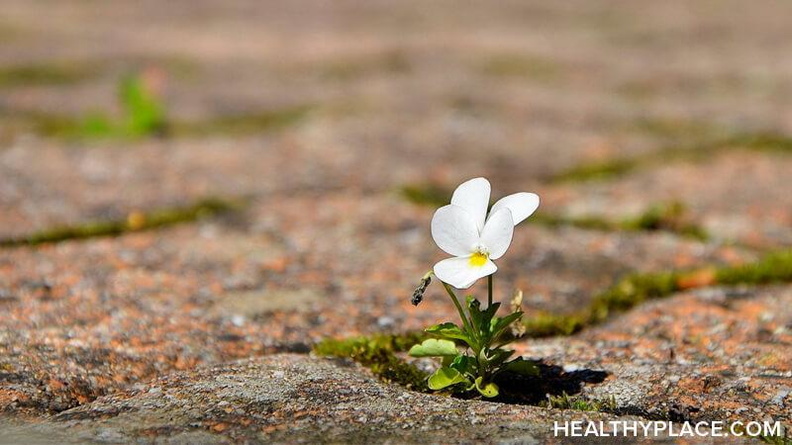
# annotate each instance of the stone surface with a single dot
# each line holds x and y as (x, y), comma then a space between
(200, 332)
(294, 399)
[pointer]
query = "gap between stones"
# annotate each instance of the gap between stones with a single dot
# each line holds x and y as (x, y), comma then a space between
(765, 142)
(135, 221)
(667, 217)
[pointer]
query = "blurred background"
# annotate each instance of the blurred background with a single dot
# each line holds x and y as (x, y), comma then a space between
(192, 181)
(371, 95)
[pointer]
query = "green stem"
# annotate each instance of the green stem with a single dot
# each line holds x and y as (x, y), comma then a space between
(465, 321)
(489, 291)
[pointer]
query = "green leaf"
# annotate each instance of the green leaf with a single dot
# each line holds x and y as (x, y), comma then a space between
(464, 364)
(498, 356)
(445, 377)
(488, 390)
(489, 314)
(500, 324)
(482, 320)
(474, 307)
(434, 348)
(522, 367)
(449, 330)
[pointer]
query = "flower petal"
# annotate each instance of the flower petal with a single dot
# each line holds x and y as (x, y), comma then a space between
(522, 205)
(473, 196)
(454, 230)
(458, 272)
(497, 233)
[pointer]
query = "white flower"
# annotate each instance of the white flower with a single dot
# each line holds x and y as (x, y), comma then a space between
(463, 229)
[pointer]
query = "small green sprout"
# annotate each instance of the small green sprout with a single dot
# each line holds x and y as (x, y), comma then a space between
(144, 112)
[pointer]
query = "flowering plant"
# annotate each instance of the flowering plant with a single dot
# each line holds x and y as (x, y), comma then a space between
(475, 238)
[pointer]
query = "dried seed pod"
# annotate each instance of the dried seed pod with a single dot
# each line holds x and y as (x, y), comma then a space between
(417, 296)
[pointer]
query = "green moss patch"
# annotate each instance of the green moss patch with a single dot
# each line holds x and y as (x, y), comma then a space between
(786, 439)
(134, 222)
(378, 353)
(579, 403)
(634, 289)
(262, 121)
(53, 73)
(391, 62)
(667, 217)
(766, 142)
(97, 126)
(521, 66)
(428, 194)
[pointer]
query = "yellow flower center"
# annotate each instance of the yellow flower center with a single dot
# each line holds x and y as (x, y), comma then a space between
(478, 259)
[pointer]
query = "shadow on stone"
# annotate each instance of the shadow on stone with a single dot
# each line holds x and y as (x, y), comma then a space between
(551, 381)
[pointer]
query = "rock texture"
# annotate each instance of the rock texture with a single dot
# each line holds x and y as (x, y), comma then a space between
(316, 117)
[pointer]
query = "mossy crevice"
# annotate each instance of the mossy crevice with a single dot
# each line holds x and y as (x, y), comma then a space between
(635, 289)
(135, 221)
(426, 194)
(765, 142)
(521, 66)
(97, 126)
(265, 120)
(51, 73)
(144, 114)
(580, 403)
(666, 217)
(390, 62)
(785, 439)
(378, 353)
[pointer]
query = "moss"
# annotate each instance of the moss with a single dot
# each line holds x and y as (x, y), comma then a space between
(775, 267)
(58, 73)
(764, 142)
(783, 439)
(565, 401)
(630, 292)
(378, 354)
(597, 170)
(668, 217)
(583, 222)
(393, 62)
(679, 129)
(769, 142)
(135, 221)
(101, 126)
(426, 194)
(521, 66)
(775, 440)
(635, 289)
(552, 325)
(244, 123)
